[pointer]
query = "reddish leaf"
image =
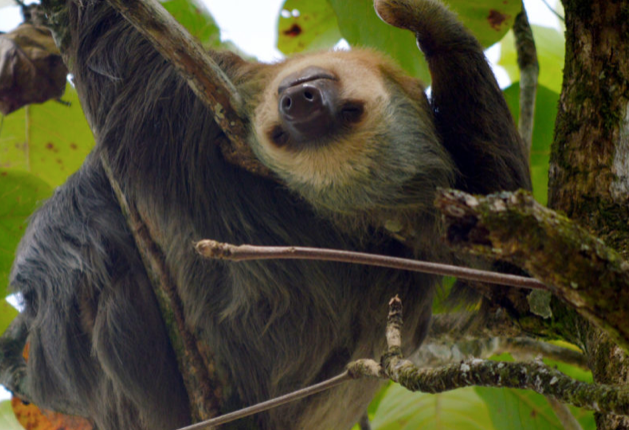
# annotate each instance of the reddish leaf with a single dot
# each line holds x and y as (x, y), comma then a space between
(32, 418)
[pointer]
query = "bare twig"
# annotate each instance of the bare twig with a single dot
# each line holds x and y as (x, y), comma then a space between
(529, 71)
(553, 10)
(225, 251)
(274, 403)
(203, 389)
(578, 267)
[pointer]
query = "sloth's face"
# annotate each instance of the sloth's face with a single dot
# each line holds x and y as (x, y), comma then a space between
(350, 133)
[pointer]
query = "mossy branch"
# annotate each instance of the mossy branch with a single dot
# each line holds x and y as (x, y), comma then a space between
(576, 266)
(533, 375)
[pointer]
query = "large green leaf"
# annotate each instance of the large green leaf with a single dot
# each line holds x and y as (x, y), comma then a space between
(545, 114)
(525, 410)
(7, 417)
(400, 409)
(489, 20)
(360, 26)
(550, 44)
(197, 19)
(49, 140)
(306, 25)
(7, 314)
(20, 193)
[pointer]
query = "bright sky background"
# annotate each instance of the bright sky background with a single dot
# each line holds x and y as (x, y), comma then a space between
(251, 25)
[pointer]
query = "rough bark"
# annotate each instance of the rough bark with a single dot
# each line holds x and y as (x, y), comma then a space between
(589, 171)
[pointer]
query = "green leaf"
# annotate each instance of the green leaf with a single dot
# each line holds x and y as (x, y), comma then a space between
(197, 19)
(20, 192)
(7, 417)
(489, 20)
(518, 409)
(543, 130)
(524, 410)
(7, 314)
(360, 26)
(461, 409)
(49, 140)
(550, 44)
(572, 371)
(306, 25)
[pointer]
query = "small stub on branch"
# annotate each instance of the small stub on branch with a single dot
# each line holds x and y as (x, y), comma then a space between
(216, 250)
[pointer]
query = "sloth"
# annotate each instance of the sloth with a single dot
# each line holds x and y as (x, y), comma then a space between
(357, 149)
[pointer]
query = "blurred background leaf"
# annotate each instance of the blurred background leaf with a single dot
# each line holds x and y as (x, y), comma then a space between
(306, 26)
(20, 193)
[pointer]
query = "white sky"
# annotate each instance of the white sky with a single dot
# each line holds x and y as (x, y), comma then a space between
(251, 25)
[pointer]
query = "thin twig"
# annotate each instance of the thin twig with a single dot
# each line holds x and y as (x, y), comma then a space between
(529, 72)
(554, 11)
(274, 403)
(218, 250)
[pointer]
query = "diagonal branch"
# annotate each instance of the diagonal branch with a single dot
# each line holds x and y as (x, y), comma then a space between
(204, 391)
(529, 71)
(204, 76)
(578, 267)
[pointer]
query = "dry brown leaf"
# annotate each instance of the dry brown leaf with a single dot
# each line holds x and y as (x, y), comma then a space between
(31, 68)
(32, 418)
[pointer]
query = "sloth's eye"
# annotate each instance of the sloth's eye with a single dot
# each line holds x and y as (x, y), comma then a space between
(352, 111)
(279, 136)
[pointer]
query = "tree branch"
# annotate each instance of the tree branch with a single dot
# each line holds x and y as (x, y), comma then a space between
(225, 251)
(195, 65)
(529, 375)
(204, 390)
(204, 76)
(529, 71)
(577, 266)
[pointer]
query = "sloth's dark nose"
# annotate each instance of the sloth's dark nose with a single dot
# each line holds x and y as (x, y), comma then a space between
(307, 110)
(301, 102)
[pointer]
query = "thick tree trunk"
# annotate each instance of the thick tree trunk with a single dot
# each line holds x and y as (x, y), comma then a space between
(589, 169)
